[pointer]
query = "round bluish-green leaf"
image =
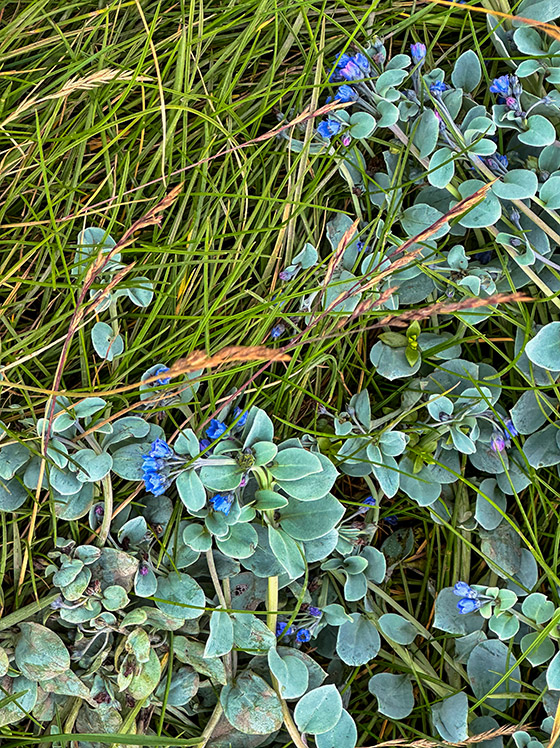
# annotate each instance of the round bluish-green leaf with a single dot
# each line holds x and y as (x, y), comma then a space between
(221, 477)
(450, 717)
(505, 626)
(343, 735)
(541, 448)
(362, 124)
(114, 598)
(241, 541)
(491, 504)
(127, 461)
(264, 452)
(12, 495)
(251, 705)
(537, 653)
(191, 490)
(553, 674)
(392, 363)
(319, 710)
(544, 349)
(145, 584)
(290, 672)
(397, 628)
(314, 486)
(180, 596)
(441, 168)
(419, 217)
(517, 184)
(142, 292)
(258, 428)
(220, 639)
(467, 72)
(486, 213)
(311, 520)
(64, 481)
(540, 132)
(267, 500)
(12, 458)
(426, 133)
(549, 193)
(293, 464)
(183, 687)
(394, 694)
(107, 344)
(129, 427)
(93, 466)
(357, 641)
(40, 654)
(538, 608)
(488, 663)
(197, 537)
(530, 412)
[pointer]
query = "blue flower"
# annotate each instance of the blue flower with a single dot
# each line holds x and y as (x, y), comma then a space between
(160, 448)
(438, 87)
(346, 93)
(303, 635)
(216, 429)
(315, 612)
(510, 428)
(281, 629)
(329, 127)
(204, 444)
(469, 598)
(392, 520)
(161, 370)
(462, 589)
(468, 605)
(277, 331)
(501, 86)
(351, 68)
(503, 160)
(369, 501)
(222, 502)
(157, 465)
(418, 52)
(243, 420)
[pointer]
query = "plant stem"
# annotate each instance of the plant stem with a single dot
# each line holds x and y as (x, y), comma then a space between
(103, 533)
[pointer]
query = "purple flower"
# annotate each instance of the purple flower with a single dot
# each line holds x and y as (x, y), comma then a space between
(346, 140)
(368, 501)
(438, 87)
(281, 629)
(329, 127)
(216, 429)
(277, 331)
(497, 443)
(355, 68)
(346, 93)
(288, 273)
(161, 370)
(303, 635)
(501, 86)
(418, 52)
(222, 502)
(315, 612)
(143, 570)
